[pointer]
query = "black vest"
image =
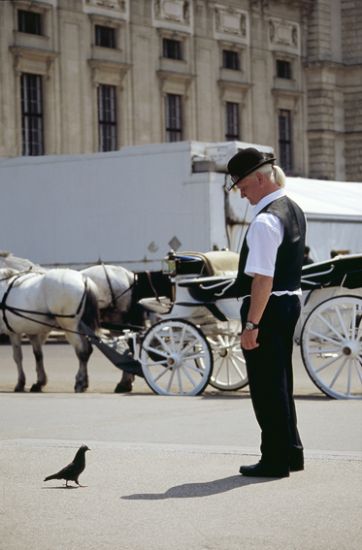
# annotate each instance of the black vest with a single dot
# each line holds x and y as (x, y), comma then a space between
(289, 260)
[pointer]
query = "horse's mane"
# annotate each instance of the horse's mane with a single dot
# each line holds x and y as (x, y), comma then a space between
(8, 260)
(7, 272)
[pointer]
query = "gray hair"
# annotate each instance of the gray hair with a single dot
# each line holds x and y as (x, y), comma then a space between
(274, 172)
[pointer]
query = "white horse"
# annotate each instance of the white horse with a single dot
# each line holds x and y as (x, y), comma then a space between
(115, 284)
(116, 296)
(35, 303)
(119, 292)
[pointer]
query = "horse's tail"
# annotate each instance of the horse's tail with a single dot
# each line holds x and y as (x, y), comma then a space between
(91, 316)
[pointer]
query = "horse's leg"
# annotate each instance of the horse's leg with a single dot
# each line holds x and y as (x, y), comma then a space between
(15, 340)
(83, 350)
(83, 354)
(125, 384)
(37, 341)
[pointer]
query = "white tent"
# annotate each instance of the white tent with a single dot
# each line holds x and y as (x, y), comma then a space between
(333, 210)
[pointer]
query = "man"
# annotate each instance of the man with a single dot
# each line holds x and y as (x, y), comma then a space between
(268, 279)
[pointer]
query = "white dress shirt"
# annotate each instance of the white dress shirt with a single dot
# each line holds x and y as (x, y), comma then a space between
(264, 237)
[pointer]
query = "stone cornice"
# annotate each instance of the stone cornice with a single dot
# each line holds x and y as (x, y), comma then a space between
(175, 76)
(33, 53)
(285, 92)
(322, 64)
(104, 64)
(34, 4)
(228, 84)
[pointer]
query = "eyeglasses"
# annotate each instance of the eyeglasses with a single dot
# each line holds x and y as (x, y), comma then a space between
(231, 181)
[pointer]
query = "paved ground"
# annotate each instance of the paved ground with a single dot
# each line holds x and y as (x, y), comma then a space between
(163, 472)
(61, 366)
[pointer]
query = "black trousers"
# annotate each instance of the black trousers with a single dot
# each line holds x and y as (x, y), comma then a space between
(270, 373)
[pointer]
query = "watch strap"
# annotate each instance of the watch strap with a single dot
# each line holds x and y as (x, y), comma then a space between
(249, 325)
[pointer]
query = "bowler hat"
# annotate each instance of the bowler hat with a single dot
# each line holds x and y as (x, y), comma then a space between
(245, 162)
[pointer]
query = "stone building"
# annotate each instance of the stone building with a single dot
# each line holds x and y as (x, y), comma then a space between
(81, 76)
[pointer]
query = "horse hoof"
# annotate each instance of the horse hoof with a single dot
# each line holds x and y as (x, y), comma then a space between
(125, 387)
(36, 388)
(19, 389)
(79, 389)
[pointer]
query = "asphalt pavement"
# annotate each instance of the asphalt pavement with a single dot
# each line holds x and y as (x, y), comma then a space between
(163, 471)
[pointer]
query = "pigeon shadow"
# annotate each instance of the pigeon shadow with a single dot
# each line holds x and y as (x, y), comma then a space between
(202, 489)
(66, 487)
(62, 487)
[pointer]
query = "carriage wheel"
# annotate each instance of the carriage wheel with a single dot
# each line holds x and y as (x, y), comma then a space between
(176, 358)
(229, 372)
(331, 345)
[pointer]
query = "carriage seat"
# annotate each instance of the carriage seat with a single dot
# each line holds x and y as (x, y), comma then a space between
(219, 263)
(344, 271)
(210, 289)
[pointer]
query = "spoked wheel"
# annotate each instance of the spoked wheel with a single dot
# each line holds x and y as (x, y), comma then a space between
(176, 358)
(331, 345)
(229, 372)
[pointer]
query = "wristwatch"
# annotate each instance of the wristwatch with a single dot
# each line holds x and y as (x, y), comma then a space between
(249, 325)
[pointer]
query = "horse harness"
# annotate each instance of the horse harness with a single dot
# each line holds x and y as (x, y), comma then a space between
(19, 312)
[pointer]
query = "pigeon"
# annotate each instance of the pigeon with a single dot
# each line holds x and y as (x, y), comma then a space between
(74, 469)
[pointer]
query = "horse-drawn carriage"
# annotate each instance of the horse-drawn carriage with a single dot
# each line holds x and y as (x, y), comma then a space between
(191, 337)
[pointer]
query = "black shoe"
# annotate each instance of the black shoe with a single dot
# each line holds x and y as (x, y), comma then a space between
(296, 465)
(264, 470)
(296, 461)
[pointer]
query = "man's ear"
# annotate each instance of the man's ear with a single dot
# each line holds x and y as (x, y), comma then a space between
(260, 177)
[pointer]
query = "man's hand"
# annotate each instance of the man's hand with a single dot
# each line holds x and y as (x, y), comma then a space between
(248, 339)
(260, 293)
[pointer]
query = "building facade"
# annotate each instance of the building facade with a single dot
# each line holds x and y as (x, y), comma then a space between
(81, 76)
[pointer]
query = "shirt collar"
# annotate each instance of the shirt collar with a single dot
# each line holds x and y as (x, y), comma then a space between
(267, 200)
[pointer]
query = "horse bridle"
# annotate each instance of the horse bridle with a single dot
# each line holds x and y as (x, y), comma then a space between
(115, 297)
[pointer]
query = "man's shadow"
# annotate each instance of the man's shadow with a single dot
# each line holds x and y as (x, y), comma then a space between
(204, 489)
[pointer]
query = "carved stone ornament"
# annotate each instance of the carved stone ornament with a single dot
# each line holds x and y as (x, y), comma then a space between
(173, 10)
(108, 4)
(230, 22)
(283, 34)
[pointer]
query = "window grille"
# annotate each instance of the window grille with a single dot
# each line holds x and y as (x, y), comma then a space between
(232, 121)
(171, 48)
(284, 69)
(230, 60)
(173, 117)
(32, 117)
(29, 22)
(105, 36)
(107, 118)
(285, 140)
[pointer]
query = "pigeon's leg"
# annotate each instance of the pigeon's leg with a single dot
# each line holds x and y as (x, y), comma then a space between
(37, 341)
(15, 340)
(79, 485)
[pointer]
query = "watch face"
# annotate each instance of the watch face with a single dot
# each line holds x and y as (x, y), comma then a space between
(250, 326)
